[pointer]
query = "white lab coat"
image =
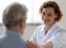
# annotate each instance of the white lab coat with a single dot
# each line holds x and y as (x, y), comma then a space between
(56, 34)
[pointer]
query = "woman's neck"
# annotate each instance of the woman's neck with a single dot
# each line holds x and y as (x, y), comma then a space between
(47, 27)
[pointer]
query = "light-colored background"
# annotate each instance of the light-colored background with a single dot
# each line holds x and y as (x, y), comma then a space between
(30, 27)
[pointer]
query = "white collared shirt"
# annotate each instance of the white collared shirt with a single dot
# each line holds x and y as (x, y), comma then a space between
(55, 34)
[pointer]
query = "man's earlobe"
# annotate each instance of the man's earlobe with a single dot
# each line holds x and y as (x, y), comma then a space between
(20, 24)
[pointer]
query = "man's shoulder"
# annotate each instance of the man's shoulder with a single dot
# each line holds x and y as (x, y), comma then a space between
(2, 39)
(12, 42)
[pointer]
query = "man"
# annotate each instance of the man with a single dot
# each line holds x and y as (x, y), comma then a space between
(14, 19)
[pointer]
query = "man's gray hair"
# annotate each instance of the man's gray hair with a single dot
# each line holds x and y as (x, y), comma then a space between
(14, 13)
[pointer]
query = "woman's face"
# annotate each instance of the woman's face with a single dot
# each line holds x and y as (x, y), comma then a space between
(48, 15)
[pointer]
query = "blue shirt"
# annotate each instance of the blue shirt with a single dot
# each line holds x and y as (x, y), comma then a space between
(12, 39)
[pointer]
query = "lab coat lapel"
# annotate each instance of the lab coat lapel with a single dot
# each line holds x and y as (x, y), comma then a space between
(50, 32)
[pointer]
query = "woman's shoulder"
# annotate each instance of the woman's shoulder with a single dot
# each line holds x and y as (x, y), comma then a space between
(60, 30)
(41, 27)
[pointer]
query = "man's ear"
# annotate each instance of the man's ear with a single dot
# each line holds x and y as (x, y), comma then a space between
(21, 24)
(56, 15)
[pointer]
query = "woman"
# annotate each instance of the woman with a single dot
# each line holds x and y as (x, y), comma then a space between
(49, 35)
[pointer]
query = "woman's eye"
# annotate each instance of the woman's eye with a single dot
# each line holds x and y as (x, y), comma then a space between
(43, 13)
(49, 15)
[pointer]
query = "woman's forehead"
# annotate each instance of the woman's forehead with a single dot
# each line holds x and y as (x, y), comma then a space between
(48, 10)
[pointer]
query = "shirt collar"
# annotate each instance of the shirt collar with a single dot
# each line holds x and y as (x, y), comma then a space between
(53, 28)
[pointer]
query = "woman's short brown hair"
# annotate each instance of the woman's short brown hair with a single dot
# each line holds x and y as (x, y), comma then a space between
(54, 5)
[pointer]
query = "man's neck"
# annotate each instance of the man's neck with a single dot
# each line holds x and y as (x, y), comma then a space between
(16, 29)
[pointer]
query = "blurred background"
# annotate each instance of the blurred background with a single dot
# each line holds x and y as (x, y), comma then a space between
(33, 19)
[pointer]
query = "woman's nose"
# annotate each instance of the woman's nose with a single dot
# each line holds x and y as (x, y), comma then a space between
(44, 17)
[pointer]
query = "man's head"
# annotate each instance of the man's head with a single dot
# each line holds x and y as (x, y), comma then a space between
(15, 16)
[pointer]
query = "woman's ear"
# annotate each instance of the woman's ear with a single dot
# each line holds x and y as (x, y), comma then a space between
(56, 15)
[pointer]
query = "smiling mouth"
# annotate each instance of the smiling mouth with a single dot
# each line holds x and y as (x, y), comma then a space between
(46, 20)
